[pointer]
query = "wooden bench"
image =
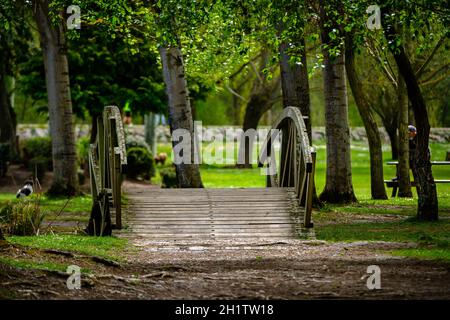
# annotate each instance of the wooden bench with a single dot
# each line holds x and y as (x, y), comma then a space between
(393, 183)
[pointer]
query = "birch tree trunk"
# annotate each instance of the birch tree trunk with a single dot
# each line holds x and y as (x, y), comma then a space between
(365, 110)
(180, 113)
(338, 186)
(53, 43)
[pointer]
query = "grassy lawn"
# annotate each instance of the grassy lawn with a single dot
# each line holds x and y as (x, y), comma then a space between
(55, 205)
(106, 247)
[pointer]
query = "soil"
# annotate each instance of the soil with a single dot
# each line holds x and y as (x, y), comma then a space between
(291, 269)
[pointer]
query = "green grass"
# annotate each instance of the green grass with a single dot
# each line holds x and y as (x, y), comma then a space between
(439, 254)
(410, 230)
(106, 247)
(40, 265)
(50, 204)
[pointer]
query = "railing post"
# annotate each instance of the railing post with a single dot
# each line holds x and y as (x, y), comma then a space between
(310, 190)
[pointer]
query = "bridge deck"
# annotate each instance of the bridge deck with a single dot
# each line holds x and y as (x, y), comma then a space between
(183, 214)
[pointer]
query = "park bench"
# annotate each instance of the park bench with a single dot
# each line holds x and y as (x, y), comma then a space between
(393, 183)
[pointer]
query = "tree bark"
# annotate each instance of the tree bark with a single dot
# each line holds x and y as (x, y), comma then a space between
(53, 43)
(262, 98)
(295, 88)
(404, 184)
(150, 131)
(338, 186)
(393, 138)
(427, 208)
(180, 114)
(373, 136)
(8, 122)
(260, 101)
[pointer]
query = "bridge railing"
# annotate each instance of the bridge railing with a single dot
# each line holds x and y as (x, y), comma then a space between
(297, 159)
(107, 162)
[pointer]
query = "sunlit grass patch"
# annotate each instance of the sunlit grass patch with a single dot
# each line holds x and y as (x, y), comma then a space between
(439, 254)
(107, 247)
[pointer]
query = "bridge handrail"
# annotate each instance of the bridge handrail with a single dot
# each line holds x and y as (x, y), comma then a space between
(107, 161)
(297, 156)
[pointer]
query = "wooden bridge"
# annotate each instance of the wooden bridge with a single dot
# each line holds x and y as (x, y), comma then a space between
(279, 211)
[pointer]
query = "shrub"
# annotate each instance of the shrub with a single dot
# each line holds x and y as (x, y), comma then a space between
(140, 163)
(37, 147)
(4, 158)
(133, 141)
(83, 145)
(21, 218)
(168, 178)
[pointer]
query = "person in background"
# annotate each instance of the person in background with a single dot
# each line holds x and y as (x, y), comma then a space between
(412, 134)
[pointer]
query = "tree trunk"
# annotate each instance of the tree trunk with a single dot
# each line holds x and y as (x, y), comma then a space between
(260, 101)
(338, 186)
(373, 136)
(404, 184)
(180, 115)
(150, 131)
(93, 128)
(8, 121)
(421, 165)
(393, 138)
(295, 84)
(53, 43)
(295, 88)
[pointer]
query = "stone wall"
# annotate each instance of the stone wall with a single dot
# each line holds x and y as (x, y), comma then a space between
(440, 135)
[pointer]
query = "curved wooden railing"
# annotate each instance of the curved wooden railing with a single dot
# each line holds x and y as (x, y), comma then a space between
(107, 161)
(297, 160)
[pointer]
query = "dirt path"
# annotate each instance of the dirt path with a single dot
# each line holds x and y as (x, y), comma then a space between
(291, 269)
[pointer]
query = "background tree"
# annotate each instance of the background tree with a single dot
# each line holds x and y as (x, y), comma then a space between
(15, 37)
(53, 43)
(416, 17)
(338, 187)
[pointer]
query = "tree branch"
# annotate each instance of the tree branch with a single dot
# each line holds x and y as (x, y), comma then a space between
(420, 71)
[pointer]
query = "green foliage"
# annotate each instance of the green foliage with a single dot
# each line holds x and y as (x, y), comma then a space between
(140, 163)
(22, 217)
(134, 141)
(83, 146)
(168, 177)
(38, 148)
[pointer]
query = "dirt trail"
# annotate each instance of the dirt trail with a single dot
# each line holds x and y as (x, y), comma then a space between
(291, 269)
